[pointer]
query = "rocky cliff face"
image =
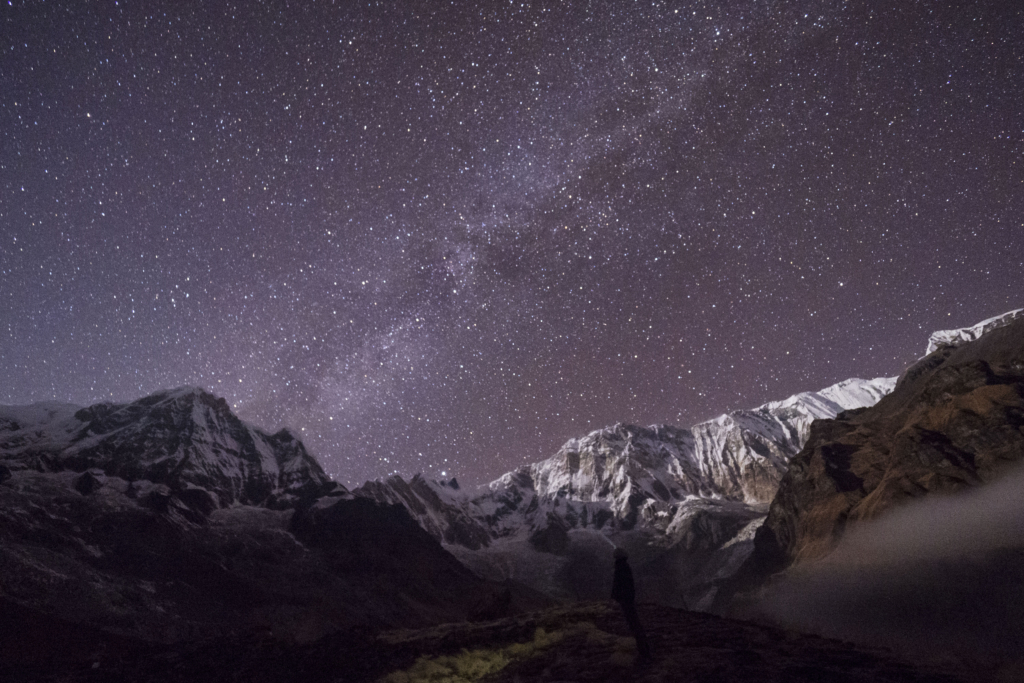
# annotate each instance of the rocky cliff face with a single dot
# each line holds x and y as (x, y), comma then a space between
(954, 421)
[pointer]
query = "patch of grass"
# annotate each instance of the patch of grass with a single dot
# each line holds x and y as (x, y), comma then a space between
(472, 665)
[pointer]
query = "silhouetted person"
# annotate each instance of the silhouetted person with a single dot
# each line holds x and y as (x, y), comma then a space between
(624, 593)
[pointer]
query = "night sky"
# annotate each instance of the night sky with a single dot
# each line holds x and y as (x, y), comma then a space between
(446, 237)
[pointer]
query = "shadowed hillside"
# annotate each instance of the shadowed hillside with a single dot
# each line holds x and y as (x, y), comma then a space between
(587, 642)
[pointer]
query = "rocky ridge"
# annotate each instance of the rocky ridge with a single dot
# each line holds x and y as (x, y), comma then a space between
(966, 334)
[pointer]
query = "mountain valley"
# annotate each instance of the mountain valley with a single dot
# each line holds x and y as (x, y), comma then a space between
(167, 529)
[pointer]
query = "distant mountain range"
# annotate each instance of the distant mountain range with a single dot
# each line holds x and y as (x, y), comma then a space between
(700, 492)
(626, 476)
(168, 518)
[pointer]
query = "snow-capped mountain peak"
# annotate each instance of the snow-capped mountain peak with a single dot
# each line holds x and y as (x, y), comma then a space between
(626, 476)
(182, 438)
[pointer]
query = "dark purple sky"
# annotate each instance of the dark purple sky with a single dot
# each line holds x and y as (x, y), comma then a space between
(449, 236)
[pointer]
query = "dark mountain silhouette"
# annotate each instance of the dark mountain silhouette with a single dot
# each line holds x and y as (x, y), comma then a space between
(168, 518)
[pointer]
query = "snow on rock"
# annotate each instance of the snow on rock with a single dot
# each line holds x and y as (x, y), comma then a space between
(855, 393)
(738, 456)
(685, 502)
(627, 477)
(966, 334)
(185, 440)
(744, 454)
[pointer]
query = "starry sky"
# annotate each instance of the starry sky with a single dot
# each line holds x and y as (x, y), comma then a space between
(448, 236)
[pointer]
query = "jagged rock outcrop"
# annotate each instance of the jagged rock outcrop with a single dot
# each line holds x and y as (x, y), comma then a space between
(954, 421)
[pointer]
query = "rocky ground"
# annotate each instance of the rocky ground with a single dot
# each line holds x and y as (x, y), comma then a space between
(585, 642)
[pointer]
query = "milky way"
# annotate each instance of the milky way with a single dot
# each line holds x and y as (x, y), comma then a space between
(447, 237)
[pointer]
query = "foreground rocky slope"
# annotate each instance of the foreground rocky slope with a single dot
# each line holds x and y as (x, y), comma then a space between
(169, 518)
(587, 642)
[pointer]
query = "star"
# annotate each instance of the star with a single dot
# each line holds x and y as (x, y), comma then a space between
(449, 238)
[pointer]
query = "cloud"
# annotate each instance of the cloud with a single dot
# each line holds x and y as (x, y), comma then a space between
(940, 576)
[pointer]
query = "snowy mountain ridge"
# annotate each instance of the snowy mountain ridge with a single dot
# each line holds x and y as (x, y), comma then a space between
(626, 476)
(685, 502)
(966, 334)
(184, 440)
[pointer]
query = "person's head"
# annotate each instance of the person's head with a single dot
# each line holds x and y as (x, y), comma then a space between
(620, 554)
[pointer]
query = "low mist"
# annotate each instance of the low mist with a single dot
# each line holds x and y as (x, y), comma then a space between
(943, 576)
